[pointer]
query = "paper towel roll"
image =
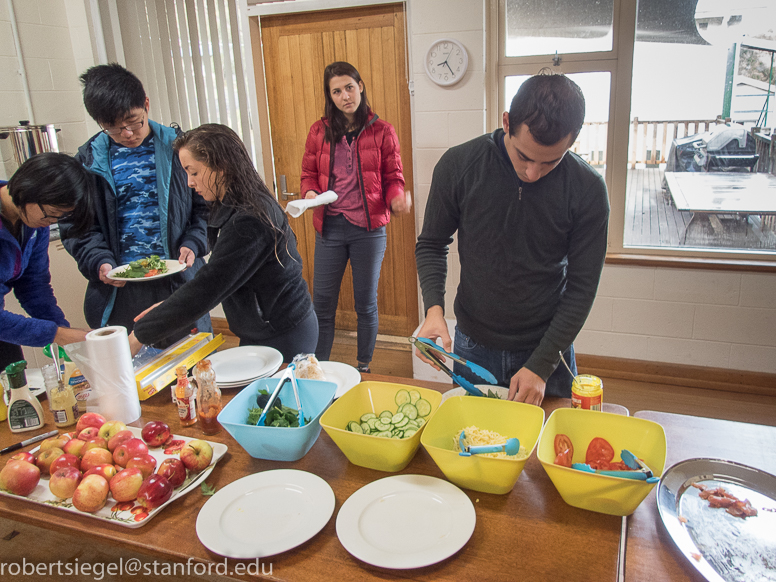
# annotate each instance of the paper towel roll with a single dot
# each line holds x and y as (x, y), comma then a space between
(110, 374)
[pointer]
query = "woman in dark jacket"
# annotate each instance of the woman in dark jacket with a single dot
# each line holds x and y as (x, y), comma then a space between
(254, 269)
(353, 153)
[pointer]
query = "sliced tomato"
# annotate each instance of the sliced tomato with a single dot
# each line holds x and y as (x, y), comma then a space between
(599, 465)
(151, 273)
(564, 458)
(599, 450)
(563, 443)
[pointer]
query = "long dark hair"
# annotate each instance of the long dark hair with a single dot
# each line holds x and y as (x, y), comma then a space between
(338, 123)
(56, 180)
(222, 151)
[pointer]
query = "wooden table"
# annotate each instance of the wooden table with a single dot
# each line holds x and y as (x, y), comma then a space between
(530, 533)
(651, 553)
(712, 193)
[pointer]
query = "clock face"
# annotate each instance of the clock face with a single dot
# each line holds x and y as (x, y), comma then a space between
(446, 61)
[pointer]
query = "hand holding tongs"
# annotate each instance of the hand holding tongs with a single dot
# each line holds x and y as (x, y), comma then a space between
(427, 348)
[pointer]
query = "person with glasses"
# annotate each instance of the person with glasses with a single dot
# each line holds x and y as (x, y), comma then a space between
(144, 206)
(46, 188)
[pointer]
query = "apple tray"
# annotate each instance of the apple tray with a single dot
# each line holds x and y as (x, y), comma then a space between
(129, 513)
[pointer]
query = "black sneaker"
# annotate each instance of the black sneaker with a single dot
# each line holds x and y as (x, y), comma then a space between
(363, 369)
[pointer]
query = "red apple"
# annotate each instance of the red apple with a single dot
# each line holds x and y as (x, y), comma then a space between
(129, 449)
(107, 470)
(155, 433)
(124, 486)
(89, 433)
(154, 491)
(95, 457)
(57, 442)
(110, 428)
(19, 477)
(173, 470)
(146, 463)
(45, 459)
(95, 443)
(196, 454)
(119, 438)
(23, 456)
(91, 494)
(65, 460)
(64, 481)
(75, 447)
(89, 419)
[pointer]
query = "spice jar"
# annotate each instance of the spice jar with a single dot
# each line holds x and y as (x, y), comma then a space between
(61, 399)
(208, 397)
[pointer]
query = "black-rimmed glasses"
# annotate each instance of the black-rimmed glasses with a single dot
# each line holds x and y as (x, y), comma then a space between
(132, 128)
(65, 216)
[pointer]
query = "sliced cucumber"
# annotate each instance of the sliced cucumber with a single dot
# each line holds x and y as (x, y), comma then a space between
(386, 414)
(408, 433)
(414, 396)
(410, 411)
(372, 422)
(384, 434)
(420, 421)
(382, 426)
(403, 422)
(353, 426)
(367, 416)
(397, 418)
(402, 397)
(424, 407)
(365, 427)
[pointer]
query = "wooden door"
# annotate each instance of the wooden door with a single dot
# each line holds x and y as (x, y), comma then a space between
(297, 48)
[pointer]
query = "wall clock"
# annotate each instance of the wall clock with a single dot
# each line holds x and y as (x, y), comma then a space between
(446, 61)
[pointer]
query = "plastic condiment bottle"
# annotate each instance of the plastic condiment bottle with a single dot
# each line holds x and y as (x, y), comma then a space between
(24, 411)
(62, 401)
(208, 397)
(184, 394)
(72, 376)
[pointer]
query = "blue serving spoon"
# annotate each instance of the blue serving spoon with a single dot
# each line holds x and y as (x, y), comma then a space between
(511, 447)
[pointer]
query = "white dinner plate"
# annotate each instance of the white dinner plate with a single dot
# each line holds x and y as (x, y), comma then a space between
(372, 524)
(344, 376)
(500, 391)
(245, 363)
(173, 266)
(265, 513)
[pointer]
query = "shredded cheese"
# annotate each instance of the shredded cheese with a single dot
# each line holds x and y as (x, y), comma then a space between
(476, 436)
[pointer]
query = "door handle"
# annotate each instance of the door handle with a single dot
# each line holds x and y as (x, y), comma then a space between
(284, 195)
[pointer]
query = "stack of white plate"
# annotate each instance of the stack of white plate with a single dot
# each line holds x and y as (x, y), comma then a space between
(238, 367)
(344, 376)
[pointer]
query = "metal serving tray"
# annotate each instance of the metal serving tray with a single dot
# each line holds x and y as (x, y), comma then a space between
(720, 546)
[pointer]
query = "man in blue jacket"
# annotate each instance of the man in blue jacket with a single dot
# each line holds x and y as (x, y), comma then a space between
(144, 208)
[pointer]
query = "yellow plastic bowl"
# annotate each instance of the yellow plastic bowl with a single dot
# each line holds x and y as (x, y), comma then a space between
(372, 452)
(486, 474)
(602, 493)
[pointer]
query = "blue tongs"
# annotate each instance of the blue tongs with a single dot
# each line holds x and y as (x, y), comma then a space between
(640, 470)
(288, 375)
(427, 348)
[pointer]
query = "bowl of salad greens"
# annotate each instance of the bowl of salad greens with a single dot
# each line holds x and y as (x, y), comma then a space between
(280, 438)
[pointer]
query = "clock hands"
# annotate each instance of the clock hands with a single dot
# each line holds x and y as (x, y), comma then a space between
(446, 64)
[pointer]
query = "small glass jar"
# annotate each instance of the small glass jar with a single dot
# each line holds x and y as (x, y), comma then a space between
(208, 397)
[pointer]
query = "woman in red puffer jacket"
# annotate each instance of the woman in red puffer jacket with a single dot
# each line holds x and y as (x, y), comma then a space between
(355, 154)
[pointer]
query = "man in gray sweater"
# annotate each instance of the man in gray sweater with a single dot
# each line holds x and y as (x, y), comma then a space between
(531, 219)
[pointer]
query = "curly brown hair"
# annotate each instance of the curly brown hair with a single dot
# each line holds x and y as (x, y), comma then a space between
(236, 180)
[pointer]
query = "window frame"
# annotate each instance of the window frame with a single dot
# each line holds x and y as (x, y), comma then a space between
(619, 62)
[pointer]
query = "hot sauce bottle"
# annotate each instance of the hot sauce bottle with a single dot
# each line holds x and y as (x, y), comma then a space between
(208, 396)
(184, 394)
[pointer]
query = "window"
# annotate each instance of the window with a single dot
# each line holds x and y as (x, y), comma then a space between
(189, 55)
(676, 91)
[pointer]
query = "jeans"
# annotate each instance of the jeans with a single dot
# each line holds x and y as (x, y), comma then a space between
(505, 364)
(343, 241)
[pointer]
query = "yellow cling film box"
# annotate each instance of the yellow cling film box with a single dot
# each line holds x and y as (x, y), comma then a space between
(160, 372)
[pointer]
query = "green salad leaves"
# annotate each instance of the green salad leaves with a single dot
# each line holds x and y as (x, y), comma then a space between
(279, 416)
(149, 267)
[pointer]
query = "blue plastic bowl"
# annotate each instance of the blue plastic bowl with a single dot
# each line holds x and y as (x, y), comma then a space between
(275, 443)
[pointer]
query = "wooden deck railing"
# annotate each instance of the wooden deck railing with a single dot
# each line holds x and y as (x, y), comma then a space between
(765, 144)
(649, 141)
